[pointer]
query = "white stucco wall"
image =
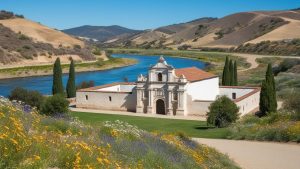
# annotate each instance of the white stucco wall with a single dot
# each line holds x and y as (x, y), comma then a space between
(249, 104)
(196, 107)
(118, 88)
(100, 100)
(247, 100)
(204, 89)
(239, 91)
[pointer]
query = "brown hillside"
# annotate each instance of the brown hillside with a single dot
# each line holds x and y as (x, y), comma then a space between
(18, 48)
(41, 33)
(229, 31)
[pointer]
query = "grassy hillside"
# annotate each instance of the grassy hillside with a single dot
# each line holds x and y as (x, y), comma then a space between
(15, 47)
(30, 140)
(230, 31)
(22, 40)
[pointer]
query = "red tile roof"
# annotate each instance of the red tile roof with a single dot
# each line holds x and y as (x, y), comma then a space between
(193, 74)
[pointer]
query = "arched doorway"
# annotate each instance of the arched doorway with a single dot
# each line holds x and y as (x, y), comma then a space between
(160, 107)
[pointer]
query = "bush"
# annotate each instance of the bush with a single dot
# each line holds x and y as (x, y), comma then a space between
(222, 112)
(292, 104)
(32, 98)
(274, 127)
(183, 47)
(85, 84)
(55, 105)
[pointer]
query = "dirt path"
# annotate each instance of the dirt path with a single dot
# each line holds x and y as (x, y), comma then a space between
(251, 58)
(257, 155)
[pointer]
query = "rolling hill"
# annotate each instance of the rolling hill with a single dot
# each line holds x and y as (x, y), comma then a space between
(227, 32)
(101, 33)
(26, 42)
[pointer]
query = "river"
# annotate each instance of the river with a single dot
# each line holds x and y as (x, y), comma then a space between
(43, 84)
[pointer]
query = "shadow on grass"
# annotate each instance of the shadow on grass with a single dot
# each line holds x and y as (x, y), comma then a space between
(203, 127)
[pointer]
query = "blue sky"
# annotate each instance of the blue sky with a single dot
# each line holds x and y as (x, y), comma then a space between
(136, 14)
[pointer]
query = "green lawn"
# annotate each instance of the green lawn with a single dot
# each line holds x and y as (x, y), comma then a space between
(190, 127)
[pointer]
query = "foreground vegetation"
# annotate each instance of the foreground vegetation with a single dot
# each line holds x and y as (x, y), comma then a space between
(31, 140)
(275, 127)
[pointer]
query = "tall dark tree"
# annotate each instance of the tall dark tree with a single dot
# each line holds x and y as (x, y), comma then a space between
(263, 100)
(231, 72)
(226, 73)
(71, 87)
(272, 90)
(57, 87)
(268, 101)
(235, 75)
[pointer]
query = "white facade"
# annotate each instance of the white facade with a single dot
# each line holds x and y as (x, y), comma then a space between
(108, 97)
(168, 91)
(204, 89)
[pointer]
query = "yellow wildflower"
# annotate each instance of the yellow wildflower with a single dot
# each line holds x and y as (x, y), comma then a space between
(100, 160)
(106, 161)
(14, 141)
(2, 115)
(36, 157)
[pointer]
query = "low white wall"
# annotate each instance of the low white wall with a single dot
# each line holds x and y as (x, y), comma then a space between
(100, 100)
(249, 104)
(195, 107)
(239, 91)
(204, 89)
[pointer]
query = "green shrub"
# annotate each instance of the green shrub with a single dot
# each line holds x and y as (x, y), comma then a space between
(292, 104)
(97, 51)
(85, 84)
(100, 62)
(222, 112)
(32, 98)
(55, 105)
(78, 47)
(274, 127)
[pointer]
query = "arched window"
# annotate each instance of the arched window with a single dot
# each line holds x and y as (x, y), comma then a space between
(159, 77)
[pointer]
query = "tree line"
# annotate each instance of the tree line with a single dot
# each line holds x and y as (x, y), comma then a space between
(229, 76)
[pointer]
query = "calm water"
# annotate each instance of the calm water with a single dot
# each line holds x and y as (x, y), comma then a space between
(44, 83)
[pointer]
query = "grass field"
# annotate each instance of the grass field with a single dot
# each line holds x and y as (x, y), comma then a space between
(189, 127)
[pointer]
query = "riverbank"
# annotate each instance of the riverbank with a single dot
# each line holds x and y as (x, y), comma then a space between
(43, 70)
(215, 60)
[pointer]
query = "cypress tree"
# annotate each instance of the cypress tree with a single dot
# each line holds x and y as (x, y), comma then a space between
(71, 88)
(235, 75)
(231, 73)
(271, 88)
(226, 73)
(268, 101)
(57, 87)
(263, 100)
